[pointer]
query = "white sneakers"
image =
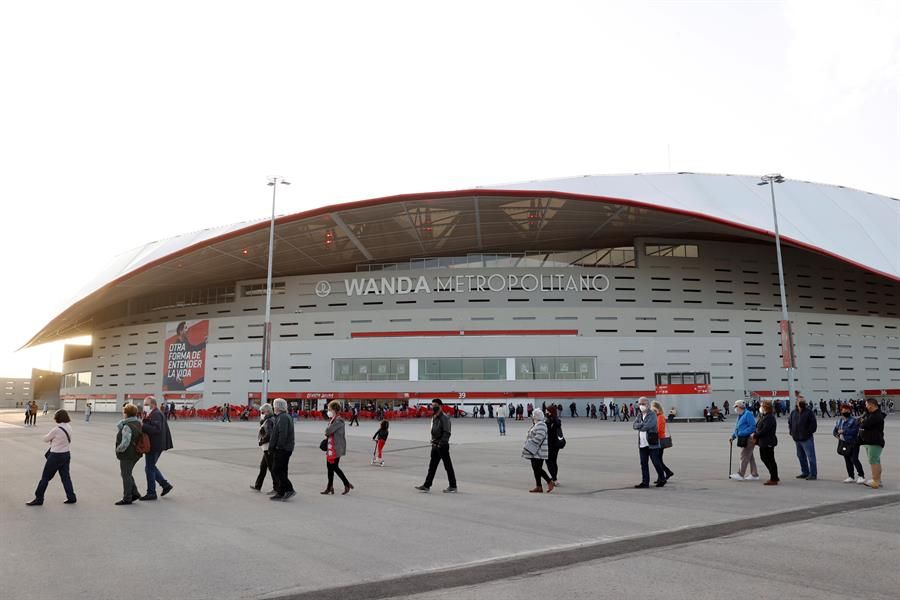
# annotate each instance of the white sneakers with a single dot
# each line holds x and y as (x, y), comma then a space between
(849, 480)
(752, 478)
(380, 463)
(736, 477)
(861, 480)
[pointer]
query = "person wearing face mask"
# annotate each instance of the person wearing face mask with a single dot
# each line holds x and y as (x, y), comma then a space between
(743, 433)
(281, 445)
(765, 438)
(871, 435)
(535, 450)
(157, 428)
(335, 449)
(440, 449)
(646, 424)
(802, 425)
(263, 435)
(846, 430)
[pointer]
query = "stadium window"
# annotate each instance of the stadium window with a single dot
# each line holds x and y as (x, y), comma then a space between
(672, 250)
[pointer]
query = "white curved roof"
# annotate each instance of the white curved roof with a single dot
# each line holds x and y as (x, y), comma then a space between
(856, 226)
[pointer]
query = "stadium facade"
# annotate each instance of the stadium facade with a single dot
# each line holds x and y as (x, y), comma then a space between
(583, 289)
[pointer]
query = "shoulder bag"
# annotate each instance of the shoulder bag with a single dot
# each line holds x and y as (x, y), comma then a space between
(68, 437)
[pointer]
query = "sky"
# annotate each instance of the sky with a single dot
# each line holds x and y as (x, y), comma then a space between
(123, 123)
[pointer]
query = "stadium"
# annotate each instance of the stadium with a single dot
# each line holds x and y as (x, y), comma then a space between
(589, 289)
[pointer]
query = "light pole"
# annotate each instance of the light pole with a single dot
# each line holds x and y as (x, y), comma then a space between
(787, 337)
(274, 182)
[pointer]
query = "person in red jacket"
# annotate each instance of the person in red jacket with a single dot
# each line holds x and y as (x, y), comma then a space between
(380, 438)
(664, 438)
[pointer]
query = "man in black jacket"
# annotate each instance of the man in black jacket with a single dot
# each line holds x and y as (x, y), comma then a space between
(440, 448)
(156, 427)
(281, 445)
(802, 425)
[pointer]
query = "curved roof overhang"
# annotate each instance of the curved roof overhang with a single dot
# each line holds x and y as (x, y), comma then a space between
(569, 214)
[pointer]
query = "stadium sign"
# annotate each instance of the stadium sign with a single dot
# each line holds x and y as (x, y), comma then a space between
(496, 282)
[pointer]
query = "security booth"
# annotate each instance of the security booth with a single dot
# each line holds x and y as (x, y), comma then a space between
(688, 392)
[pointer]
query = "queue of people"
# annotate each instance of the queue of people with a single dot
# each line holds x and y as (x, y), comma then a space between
(148, 437)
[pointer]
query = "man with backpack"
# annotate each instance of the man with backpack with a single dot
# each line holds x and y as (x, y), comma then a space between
(156, 427)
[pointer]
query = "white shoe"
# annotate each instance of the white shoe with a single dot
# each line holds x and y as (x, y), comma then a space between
(752, 478)
(736, 477)
(850, 480)
(861, 480)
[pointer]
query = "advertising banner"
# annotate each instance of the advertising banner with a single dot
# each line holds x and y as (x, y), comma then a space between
(185, 356)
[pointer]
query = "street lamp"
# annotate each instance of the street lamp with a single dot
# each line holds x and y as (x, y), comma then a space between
(787, 338)
(274, 182)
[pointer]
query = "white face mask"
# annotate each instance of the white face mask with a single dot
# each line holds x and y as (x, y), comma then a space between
(148, 408)
(330, 414)
(644, 408)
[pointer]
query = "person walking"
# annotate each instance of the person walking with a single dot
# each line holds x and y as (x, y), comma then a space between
(725, 407)
(354, 415)
(27, 414)
(129, 432)
(58, 458)
(764, 437)
(157, 428)
(743, 433)
(535, 450)
(665, 440)
(380, 439)
(502, 413)
(846, 430)
(440, 449)
(646, 424)
(871, 435)
(802, 425)
(263, 435)
(555, 442)
(336, 448)
(88, 409)
(281, 445)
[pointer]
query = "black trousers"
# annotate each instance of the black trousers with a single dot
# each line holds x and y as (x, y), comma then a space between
(335, 469)
(852, 460)
(280, 460)
(265, 465)
(58, 462)
(129, 488)
(537, 465)
(651, 455)
(768, 458)
(354, 419)
(666, 469)
(440, 453)
(552, 466)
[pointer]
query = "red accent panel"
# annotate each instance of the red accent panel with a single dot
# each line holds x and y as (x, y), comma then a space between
(882, 392)
(462, 332)
(183, 396)
(770, 393)
(137, 396)
(451, 395)
(682, 388)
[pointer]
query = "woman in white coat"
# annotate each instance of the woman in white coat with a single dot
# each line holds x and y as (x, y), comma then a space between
(535, 450)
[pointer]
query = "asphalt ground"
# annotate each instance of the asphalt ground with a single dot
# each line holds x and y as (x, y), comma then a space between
(213, 537)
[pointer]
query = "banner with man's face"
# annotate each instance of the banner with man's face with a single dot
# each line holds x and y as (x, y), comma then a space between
(185, 355)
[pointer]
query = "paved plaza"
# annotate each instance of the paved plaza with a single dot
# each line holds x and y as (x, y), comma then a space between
(702, 536)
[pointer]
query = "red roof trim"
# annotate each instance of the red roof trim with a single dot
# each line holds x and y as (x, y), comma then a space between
(462, 332)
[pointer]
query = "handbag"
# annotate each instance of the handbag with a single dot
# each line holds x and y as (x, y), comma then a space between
(742, 441)
(323, 445)
(845, 448)
(665, 442)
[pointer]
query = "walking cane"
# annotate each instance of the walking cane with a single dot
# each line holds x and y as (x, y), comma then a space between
(730, 450)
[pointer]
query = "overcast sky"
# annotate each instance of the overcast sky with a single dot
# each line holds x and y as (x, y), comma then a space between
(123, 122)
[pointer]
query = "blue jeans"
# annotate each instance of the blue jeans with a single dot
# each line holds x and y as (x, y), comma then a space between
(806, 454)
(57, 462)
(154, 475)
(651, 454)
(501, 423)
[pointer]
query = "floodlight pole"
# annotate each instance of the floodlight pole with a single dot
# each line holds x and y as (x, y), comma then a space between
(771, 180)
(274, 182)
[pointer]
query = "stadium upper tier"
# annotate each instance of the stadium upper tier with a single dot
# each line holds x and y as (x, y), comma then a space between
(576, 213)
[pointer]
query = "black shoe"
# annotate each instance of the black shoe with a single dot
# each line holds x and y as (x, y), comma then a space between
(660, 483)
(73, 501)
(450, 490)
(423, 488)
(802, 476)
(256, 489)
(277, 497)
(166, 490)
(289, 495)
(35, 502)
(271, 493)
(147, 497)
(669, 475)
(123, 502)
(811, 478)
(642, 485)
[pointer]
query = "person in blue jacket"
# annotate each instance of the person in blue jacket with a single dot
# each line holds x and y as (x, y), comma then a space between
(743, 428)
(846, 430)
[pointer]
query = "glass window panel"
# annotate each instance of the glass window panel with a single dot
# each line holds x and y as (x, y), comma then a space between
(473, 368)
(381, 369)
(343, 369)
(84, 379)
(494, 368)
(544, 367)
(451, 368)
(400, 369)
(688, 378)
(675, 378)
(429, 369)
(565, 368)
(524, 368)
(584, 368)
(361, 369)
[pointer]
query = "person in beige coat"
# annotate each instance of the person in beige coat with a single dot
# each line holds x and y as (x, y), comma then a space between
(335, 448)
